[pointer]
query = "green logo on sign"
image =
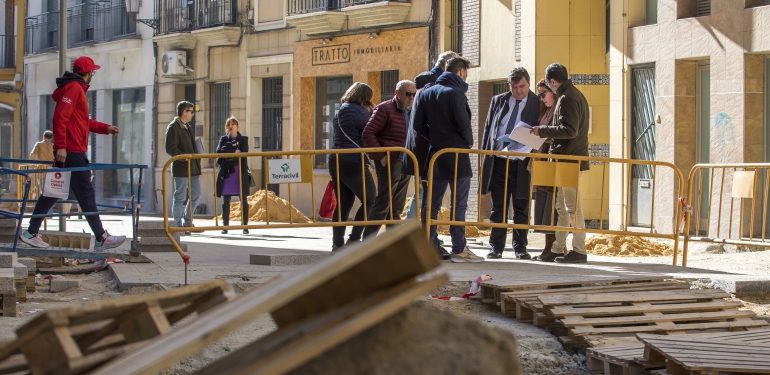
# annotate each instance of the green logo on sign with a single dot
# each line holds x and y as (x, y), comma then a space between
(285, 167)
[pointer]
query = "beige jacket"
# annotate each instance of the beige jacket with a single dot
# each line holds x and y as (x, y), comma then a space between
(43, 151)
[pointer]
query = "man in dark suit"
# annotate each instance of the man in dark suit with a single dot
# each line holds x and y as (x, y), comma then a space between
(520, 104)
(443, 117)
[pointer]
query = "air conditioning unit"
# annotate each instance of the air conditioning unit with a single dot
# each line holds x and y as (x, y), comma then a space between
(173, 63)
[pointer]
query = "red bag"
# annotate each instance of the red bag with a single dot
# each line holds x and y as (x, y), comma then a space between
(328, 203)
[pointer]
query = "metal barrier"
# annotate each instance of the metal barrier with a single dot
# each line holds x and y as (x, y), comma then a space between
(563, 171)
(746, 183)
(20, 215)
(305, 158)
(131, 208)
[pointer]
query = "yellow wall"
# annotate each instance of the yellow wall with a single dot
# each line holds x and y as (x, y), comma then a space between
(572, 32)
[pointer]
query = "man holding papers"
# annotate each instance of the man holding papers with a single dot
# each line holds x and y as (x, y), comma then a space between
(510, 115)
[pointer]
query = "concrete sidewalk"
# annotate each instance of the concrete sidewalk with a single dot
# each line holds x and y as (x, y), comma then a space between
(214, 255)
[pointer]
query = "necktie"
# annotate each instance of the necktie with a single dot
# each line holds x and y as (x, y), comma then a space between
(512, 123)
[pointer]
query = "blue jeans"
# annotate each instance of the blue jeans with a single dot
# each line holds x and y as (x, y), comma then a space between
(178, 208)
(461, 206)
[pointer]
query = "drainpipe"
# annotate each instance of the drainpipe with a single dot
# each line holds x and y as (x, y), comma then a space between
(62, 37)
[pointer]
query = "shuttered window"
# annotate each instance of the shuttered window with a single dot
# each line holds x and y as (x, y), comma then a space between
(704, 8)
(388, 81)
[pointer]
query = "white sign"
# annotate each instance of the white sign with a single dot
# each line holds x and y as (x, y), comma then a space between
(283, 171)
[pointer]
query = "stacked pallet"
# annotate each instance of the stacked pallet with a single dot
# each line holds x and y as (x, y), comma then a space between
(78, 339)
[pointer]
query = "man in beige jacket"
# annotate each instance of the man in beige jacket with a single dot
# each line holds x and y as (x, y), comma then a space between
(44, 149)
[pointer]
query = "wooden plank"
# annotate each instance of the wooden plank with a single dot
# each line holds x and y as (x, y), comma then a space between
(672, 295)
(661, 285)
(403, 254)
(16, 363)
(712, 355)
(576, 282)
(587, 330)
(283, 351)
(575, 321)
(564, 311)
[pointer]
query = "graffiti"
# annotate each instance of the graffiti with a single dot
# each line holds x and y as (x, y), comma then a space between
(724, 134)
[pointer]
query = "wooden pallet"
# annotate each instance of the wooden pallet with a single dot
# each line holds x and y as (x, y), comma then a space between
(21, 289)
(707, 356)
(77, 339)
(8, 303)
(491, 291)
(528, 308)
(588, 316)
(315, 309)
(629, 359)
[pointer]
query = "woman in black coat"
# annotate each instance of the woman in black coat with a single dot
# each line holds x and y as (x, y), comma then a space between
(232, 178)
(349, 124)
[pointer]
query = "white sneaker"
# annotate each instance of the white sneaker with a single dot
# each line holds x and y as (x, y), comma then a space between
(109, 242)
(33, 240)
(466, 257)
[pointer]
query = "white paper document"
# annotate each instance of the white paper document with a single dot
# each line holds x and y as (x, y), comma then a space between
(521, 133)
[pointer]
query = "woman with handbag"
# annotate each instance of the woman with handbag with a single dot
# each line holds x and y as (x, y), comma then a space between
(233, 178)
(351, 179)
(543, 195)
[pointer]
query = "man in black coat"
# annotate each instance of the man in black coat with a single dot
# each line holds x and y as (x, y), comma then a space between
(519, 104)
(443, 117)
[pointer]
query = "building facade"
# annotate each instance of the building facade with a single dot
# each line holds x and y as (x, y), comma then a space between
(122, 92)
(689, 84)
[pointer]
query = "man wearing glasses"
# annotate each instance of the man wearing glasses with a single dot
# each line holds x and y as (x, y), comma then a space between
(180, 140)
(387, 128)
(517, 107)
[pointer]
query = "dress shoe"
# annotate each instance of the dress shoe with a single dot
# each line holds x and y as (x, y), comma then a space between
(494, 255)
(572, 257)
(523, 255)
(224, 231)
(445, 255)
(549, 256)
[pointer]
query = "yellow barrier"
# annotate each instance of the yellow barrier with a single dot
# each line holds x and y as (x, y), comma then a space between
(746, 182)
(307, 168)
(562, 171)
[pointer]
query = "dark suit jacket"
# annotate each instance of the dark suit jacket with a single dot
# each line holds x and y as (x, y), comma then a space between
(497, 111)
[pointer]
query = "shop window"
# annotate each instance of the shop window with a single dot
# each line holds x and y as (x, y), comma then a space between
(756, 3)
(219, 112)
(329, 91)
(388, 81)
(500, 87)
(128, 147)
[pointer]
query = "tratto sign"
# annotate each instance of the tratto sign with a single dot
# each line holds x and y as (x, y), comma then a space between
(336, 54)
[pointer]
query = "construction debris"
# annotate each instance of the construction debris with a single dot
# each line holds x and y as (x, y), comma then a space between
(279, 209)
(627, 246)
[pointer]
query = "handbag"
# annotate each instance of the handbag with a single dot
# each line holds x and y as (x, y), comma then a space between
(251, 180)
(328, 202)
(57, 184)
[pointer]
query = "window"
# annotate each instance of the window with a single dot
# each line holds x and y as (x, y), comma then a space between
(651, 12)
(49, 106)
(756, 3)
(517, 25)
(388, 81)
(329, 91)
(455, 26)
(272, 121)
(128, 147)
(6, 133)
(220, 111)
(704, 8)
(500, 87)
(607, 26)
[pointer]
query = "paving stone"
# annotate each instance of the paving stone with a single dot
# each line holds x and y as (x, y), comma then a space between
(162, 248)
(743, 286)
(286, 259)
(29, 262)
(157, 241)
(6, 279)
(60, 284)
(8, 260)
(8, 223)
(129, 275)
(20, 272)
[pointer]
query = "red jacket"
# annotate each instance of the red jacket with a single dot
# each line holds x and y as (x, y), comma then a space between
(386, 128)
(71, 122)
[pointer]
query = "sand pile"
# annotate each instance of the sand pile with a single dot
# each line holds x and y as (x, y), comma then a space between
(443, 214)
(627, 246)
(278, 208)
(422, 340)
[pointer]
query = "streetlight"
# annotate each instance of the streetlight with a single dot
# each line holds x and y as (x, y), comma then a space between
(132, 8)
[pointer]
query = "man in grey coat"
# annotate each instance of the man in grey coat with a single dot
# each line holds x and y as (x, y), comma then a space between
(569, 131)
(180, 140)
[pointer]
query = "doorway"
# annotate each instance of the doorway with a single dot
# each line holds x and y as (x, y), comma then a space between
(703, 136)
(329, 91)
(643, 143)
(272, 120)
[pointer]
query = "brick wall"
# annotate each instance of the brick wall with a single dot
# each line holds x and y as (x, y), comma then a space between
(470, 30)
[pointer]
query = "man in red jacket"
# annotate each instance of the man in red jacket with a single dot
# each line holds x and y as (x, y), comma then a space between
(387, 128)
(71, 125)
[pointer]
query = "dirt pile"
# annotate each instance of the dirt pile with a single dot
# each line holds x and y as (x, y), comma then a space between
(626, 246)
(443, 214)
(278, 208)
(421, 340)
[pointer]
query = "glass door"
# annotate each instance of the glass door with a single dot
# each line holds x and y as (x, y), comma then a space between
(128, 147)
(703, 134)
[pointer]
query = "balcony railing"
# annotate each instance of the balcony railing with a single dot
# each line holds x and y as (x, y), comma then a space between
(7, 51)
(177, 16)
(310, 6)
(350, 3)
(86, 23)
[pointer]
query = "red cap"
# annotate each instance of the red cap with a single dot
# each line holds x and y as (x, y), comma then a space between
(84, 64)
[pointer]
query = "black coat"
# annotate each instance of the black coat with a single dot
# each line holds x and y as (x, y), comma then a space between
(497, 111)
(443, 117)
(226, 166)
(349, 124)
